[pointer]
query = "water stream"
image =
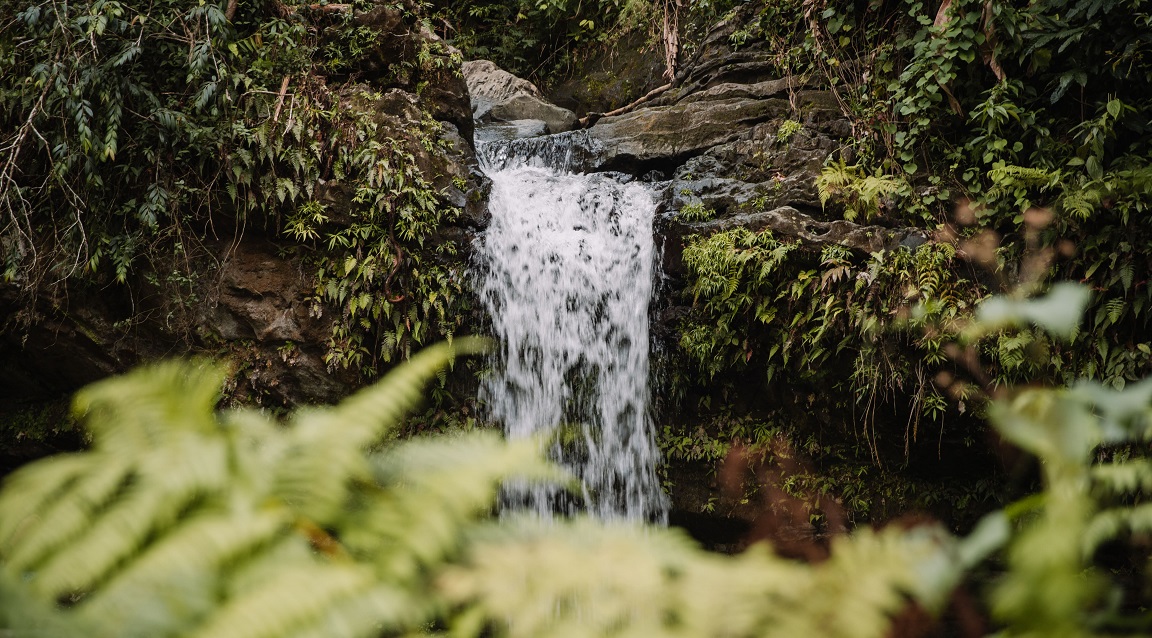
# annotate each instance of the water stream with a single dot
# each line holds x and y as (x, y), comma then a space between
(568, 264)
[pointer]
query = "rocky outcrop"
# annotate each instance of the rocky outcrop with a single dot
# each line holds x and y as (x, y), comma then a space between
(668, 136)
(727, 57)
(789, 222)
(499, 96)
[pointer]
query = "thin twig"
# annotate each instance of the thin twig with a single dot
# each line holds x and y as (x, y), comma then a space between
(280, 99)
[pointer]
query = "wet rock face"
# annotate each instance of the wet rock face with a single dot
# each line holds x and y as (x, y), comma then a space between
(260, 302)
(499, 96)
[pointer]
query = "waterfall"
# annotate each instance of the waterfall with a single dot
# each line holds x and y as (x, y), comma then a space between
(568, 263)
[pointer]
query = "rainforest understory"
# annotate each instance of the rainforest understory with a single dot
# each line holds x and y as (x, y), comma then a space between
(902, 319)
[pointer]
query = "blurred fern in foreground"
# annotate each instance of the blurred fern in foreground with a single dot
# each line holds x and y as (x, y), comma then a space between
(181, 521)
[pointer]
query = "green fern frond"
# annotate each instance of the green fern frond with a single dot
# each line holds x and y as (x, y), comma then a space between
(45, 525)
(1113, 523)
(300, 595)
(325, 447)
(183, 522)
(23, 614)
(431, 489)
(33, 487)
(1011, 176)
(185, 564)
(588, 579)
(860, 193)
(1123, 478)
(148, 405)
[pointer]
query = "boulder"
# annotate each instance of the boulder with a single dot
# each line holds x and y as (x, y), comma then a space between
(669, 135)
(489, 84)
(499, 96)
(527, 107)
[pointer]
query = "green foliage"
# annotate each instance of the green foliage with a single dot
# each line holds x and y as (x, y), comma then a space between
(840, 470)
(788, 128)
(38, 423)
(125, 147)
(588, 579)
(1009, 135)
(523, 36)
(544, 40)
(180, 521)
(780, 308)
(1051, 587)
(695, 212)
(729, 267)
(862, 195)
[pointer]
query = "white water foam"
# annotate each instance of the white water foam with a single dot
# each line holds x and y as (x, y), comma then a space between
(568, 266)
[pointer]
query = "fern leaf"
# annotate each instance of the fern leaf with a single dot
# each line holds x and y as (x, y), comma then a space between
(326, 446)
(366, 614)
(587, 579)
(65, 518)
(1122, 478)
(368, 413)
(433, 487)
(298, 596)
(22, 614)
(185, 566)
(167, 481)
(30, 489)
(147, 405)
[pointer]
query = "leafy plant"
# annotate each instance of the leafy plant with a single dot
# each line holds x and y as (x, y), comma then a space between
(184, 522)
(788, 128)
(694, 212)
(133, 132)
(180, 521)
(862, 195)
(587, 579)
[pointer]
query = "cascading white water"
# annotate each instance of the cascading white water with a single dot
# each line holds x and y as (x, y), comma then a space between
(568, 273)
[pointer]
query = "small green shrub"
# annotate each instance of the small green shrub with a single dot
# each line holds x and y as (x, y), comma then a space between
(694, 212)
(788, 128)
